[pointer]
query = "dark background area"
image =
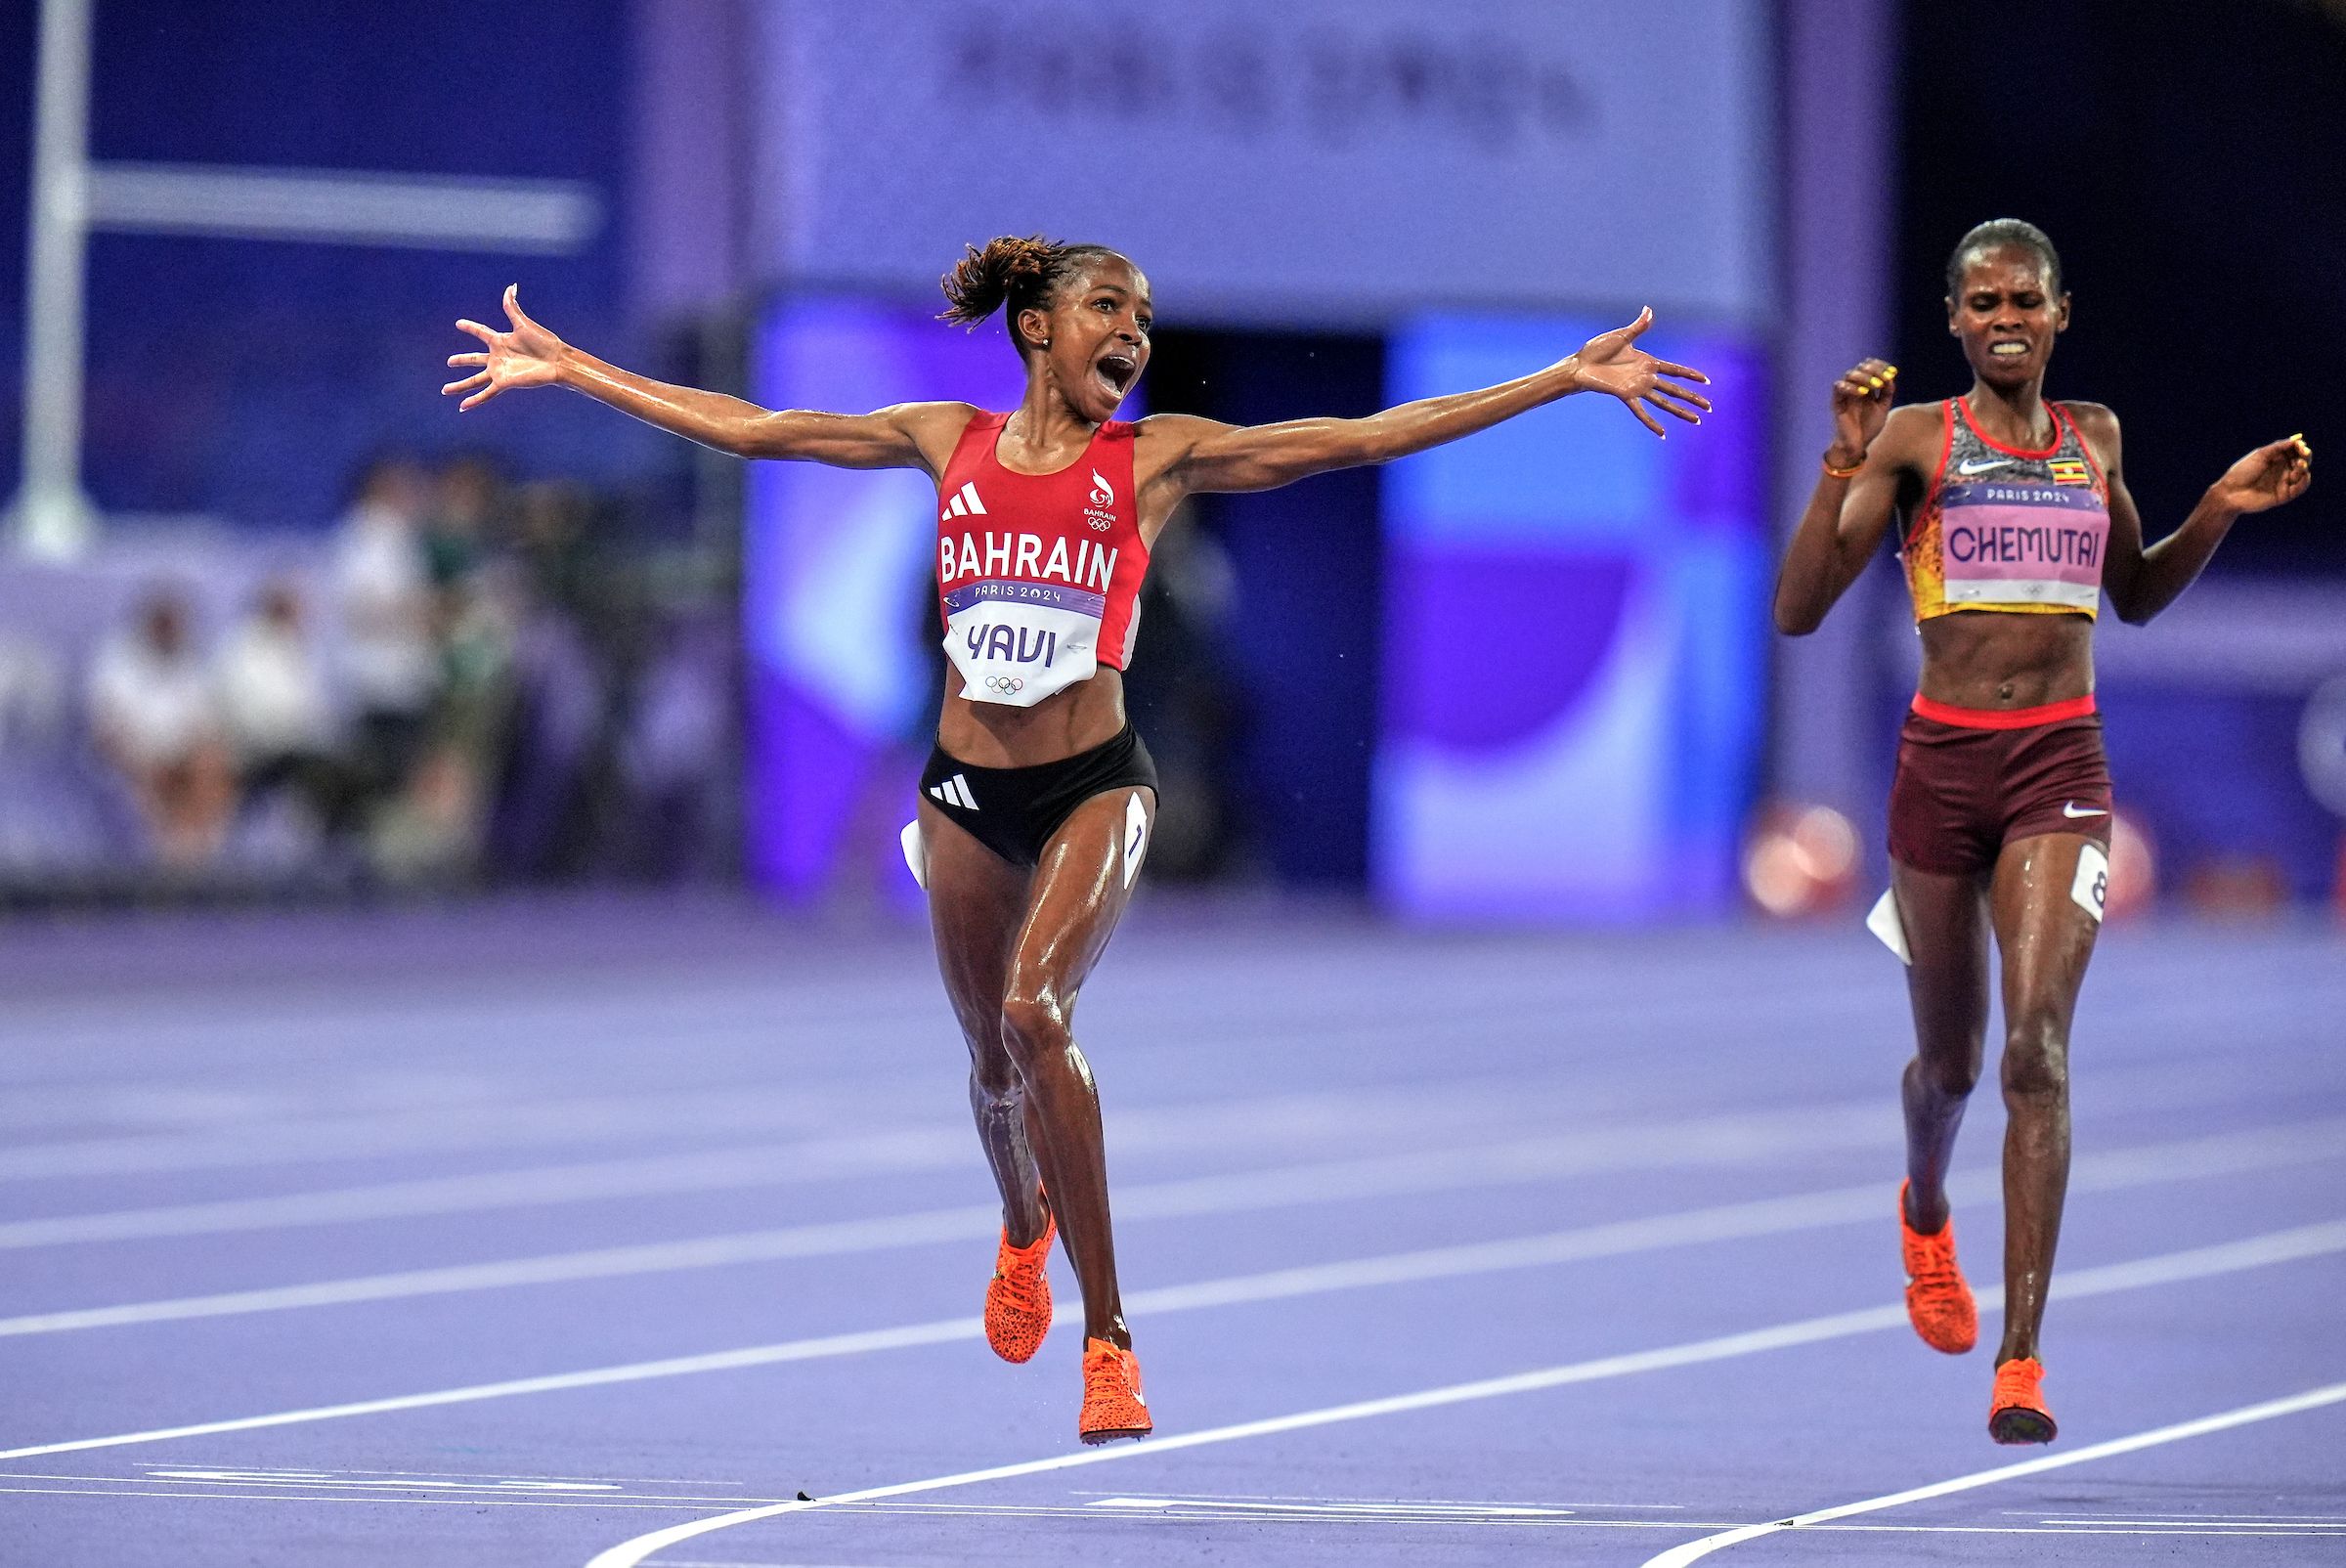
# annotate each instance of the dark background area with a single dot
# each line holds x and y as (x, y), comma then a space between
(246, 379)
(1301, 632)
(2190, 163)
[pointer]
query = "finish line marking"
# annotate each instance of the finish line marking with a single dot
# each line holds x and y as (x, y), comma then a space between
(2245, 1414)
(2303, 1242)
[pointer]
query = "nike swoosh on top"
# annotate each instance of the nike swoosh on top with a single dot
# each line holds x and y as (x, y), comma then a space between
(1976, 467)
(2070, 809)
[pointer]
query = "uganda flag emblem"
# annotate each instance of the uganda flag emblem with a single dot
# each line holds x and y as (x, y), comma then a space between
(2071, 471)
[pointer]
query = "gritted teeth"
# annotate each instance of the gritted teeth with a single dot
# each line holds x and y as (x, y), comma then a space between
(2007, 349)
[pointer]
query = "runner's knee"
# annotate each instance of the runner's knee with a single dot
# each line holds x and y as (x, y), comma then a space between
(994, 1075)
(2036, 1058)
(1953, 1073)
(1035, 1026)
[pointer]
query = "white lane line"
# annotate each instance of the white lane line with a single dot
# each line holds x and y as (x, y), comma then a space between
(367, 1502)
(530, 1120)
(913, 1150)
(1429, 1264)
(2245, 1414)
(1723, 1138)
(1768, 1216)
(1240, 1123)
(427, 1129)
(2279, 1246)
(1699, 1142)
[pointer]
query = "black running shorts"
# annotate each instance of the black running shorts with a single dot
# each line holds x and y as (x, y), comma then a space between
(1014, 811)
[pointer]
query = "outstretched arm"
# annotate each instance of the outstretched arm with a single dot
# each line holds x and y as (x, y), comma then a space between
(1853, 502)
(2142, 582)
(907, 435)
(1209, 455)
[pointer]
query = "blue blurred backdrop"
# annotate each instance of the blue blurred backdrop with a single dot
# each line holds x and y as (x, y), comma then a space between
(1528, 677)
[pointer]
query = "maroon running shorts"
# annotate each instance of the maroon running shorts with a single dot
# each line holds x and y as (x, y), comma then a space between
(1972, 780)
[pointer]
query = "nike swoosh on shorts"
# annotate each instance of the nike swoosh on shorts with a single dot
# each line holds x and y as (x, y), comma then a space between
(2070, 809)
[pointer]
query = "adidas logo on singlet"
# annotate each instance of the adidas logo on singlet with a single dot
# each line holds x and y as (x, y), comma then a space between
(965, 503)
(955, 790)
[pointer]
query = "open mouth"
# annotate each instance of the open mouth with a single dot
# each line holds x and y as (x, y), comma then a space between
(2008, 349)
(1115, 373)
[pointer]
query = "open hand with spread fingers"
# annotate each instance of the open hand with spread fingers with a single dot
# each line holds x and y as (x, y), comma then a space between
(1612, 364)
(527, 356)
(2272, 475)
(1861, 400)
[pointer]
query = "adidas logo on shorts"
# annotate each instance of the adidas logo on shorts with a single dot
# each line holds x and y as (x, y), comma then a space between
(954, 791)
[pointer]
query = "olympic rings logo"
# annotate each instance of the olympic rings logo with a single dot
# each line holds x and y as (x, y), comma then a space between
(1006, 685)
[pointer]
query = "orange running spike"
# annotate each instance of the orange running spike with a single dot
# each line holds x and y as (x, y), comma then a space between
(1113, 1405)
(1939, 1303)
(1018, 1299)
(2017, 1413)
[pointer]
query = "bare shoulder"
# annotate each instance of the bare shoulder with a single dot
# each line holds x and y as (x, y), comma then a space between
(931, 419)
(935, 429)
(1175, 431)
(1912, 435)
(1163, 440)
(2098, 427)
(2097, 422)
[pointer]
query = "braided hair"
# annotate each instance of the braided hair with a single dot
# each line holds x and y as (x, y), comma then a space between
(1996, 234)
(1011, 275)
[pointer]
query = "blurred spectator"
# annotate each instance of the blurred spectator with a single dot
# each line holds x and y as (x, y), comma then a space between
(390, 665)
(154, 715)
(437, 831)
(571, 639)
(468, 508)
(678, 747)
(280, 724)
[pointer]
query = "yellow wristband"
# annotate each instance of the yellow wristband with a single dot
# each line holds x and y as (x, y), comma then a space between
(1849, 472)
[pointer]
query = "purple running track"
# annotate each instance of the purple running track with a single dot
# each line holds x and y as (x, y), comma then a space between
(519, 1234)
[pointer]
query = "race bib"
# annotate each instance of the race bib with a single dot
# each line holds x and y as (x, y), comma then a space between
(1016, 643)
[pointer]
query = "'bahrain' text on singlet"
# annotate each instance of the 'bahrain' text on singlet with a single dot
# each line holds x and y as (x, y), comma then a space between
(2002, 529)
(1038, 576)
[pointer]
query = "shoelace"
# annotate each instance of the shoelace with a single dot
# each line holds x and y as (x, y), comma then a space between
(1018, 1289)
(2018, 1383)
(1937, 1273)
(1106, 1378)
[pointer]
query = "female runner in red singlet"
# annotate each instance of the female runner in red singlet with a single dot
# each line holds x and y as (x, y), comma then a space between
(1035, 808)
(2016, 520)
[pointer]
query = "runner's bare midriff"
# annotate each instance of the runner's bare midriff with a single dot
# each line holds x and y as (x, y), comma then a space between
(990, 735)
(1987, 659)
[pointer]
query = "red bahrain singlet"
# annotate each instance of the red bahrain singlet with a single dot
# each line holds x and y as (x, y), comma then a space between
(1038, 576)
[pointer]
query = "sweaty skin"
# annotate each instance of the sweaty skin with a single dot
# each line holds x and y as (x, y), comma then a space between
(1989, 660)
(1016, 947)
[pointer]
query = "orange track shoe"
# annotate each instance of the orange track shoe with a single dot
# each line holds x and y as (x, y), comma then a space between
(1939, 1303)
(1113, 1405)
(2017, 1413)
(1018, 1299)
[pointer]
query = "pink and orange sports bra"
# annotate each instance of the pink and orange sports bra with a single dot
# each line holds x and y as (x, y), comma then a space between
(2002, 529)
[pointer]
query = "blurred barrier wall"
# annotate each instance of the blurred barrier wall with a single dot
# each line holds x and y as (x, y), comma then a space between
(836, 595)
(242, 378)
(1338, 162)
(1329, 160)
(1575, 642)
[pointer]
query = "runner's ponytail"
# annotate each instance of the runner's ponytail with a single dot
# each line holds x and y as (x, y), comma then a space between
(1010, 275)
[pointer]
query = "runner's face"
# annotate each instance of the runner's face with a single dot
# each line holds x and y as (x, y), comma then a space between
(1099, 334)
(2006, 316)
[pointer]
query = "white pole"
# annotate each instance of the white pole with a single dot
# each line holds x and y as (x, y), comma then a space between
(52, 517)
